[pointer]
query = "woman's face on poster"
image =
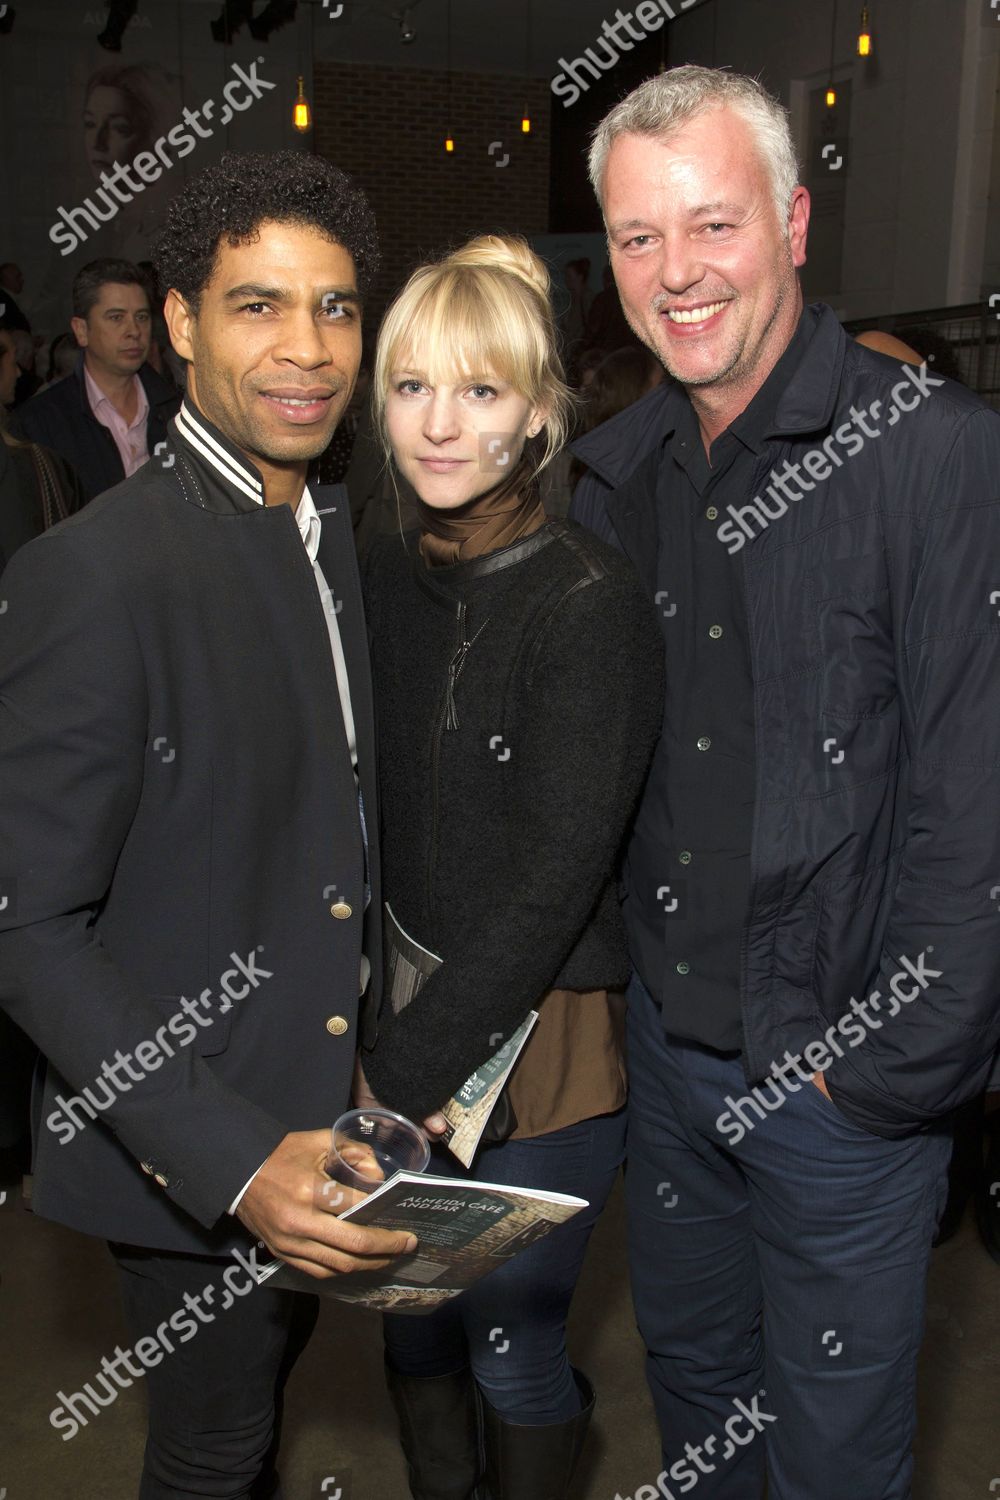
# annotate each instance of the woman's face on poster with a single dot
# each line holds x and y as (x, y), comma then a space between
(111, 129)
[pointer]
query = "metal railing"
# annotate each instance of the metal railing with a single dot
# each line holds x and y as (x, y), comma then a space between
(973, 331)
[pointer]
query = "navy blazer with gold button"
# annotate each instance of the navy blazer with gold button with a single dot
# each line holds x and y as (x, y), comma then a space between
(181, 858)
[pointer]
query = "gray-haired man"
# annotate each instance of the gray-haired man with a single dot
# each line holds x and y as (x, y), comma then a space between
(807, 890)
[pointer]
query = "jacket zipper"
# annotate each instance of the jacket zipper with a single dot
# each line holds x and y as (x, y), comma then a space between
(447, 718)
(445, 711)
(455, 668)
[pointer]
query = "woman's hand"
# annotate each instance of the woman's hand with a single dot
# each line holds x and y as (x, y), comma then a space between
(435, 1126)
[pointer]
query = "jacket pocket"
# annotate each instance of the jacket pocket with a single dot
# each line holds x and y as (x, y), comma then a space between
(201, 1021)
(855, 636)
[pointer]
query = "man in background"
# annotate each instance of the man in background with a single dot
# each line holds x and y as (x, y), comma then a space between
(108, 418)
(11, 287)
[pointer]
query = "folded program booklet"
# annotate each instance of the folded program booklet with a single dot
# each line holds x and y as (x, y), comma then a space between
(408, 968)
(465, 1230)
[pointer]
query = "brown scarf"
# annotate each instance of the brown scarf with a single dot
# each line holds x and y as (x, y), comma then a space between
(503, 515)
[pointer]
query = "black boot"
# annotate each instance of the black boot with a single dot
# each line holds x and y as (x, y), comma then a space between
(535, 1463)
(439, 1431)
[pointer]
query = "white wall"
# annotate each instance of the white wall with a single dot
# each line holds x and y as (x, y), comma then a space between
(916, 218)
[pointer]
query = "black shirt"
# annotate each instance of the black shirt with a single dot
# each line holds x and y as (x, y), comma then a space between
(689, 861)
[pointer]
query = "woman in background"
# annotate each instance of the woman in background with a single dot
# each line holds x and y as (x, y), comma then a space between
(37, 488)
(621, 378)
(518, 680)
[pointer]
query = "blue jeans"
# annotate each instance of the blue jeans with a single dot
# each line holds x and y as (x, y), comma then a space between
(787, 1266)
(511, 1326)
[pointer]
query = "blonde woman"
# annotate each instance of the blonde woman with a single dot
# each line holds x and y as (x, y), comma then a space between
(518, 688)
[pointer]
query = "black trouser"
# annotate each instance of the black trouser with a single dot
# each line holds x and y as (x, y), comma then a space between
(17, 1061)
(215, 1398)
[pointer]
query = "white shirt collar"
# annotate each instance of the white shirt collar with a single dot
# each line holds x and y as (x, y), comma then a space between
(309, 524)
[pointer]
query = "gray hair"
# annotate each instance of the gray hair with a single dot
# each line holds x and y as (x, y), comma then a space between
(663, 104)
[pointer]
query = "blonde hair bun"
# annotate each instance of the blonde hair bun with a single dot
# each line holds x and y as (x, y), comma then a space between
(502, 252)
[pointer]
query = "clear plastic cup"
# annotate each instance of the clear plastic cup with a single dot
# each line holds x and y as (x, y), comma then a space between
(367, 1148)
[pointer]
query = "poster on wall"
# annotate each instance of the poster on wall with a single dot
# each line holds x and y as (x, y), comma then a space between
(106, 137)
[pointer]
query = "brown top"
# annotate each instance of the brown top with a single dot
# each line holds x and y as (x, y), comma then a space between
(573, 1064)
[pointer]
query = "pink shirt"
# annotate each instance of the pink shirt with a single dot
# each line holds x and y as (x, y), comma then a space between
(130, 437)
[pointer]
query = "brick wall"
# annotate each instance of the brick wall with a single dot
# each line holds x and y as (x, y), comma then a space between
(386, 126)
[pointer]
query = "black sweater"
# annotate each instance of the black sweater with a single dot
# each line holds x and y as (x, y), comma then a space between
(506, 800)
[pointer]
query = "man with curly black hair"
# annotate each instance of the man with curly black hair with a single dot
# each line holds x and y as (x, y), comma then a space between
(227, 203)
(186, 749)
(237, 215)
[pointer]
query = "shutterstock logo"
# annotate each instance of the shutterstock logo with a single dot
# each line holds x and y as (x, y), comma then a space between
(706, 1456)
(749, 520)
(607, 50)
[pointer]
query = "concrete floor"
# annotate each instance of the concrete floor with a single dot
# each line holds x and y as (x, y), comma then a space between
(58, 1314)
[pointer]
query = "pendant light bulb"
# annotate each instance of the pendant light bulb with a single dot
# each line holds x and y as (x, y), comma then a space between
(301, 114)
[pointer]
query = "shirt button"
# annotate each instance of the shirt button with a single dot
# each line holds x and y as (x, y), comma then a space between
(715, 631)
(159, 1177)
(336, 1026)
(685, 856)
(683, 968)
(146, 1168)
(704, 743)
(340, 910)
(712, 513)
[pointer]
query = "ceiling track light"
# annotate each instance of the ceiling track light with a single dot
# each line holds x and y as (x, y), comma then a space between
(407, 30)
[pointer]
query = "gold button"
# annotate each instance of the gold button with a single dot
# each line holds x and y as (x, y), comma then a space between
(336, 1026)
(159, 1177)
(341, 910)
